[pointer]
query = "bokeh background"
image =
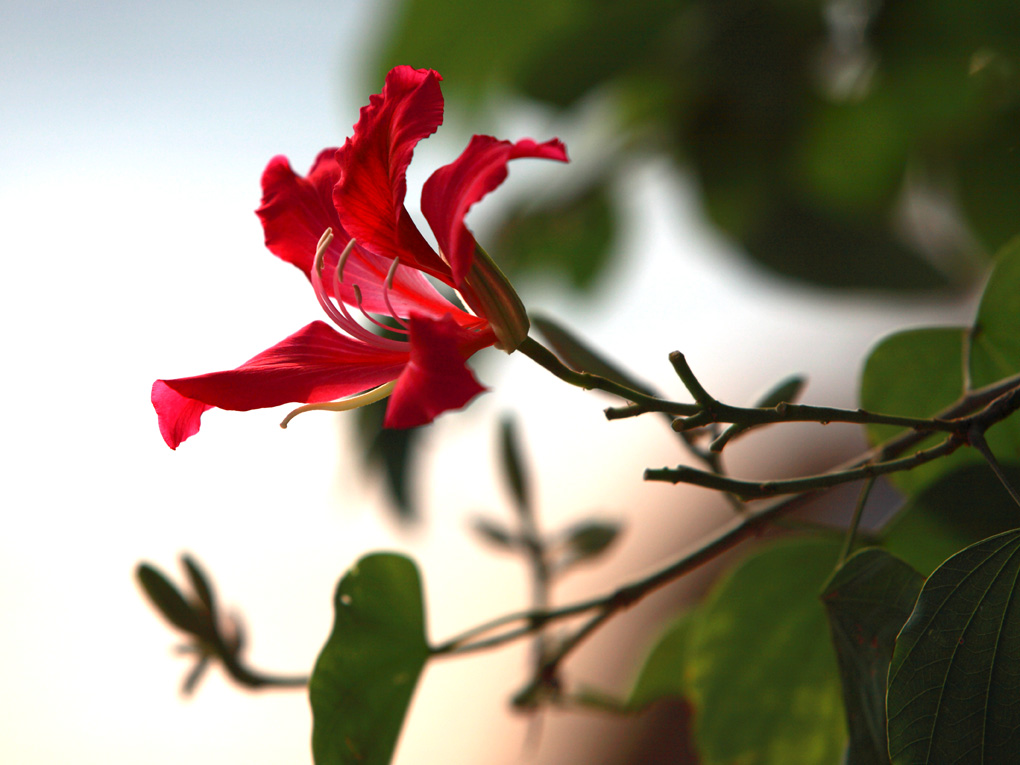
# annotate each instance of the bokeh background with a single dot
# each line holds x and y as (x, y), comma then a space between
(768, 186)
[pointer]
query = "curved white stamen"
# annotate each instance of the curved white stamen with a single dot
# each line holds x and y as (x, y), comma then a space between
(337, 311)
(371, 318)
(349, 323)
(344, 404)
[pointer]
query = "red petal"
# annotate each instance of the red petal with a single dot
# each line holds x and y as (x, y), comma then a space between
(295, 210)
(436, 378)
(452, 190)
(370, 194)
(314, 364)
(178, 416)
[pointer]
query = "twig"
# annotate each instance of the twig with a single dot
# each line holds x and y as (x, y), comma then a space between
(764, 489)
(545, 358)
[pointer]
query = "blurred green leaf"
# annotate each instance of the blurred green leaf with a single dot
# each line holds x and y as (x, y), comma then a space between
(580, 356)
(995, 347)
(200, 583)
(366, 673)
(168, 599)
(603, 40)
(569, 236)
(787, 390)
(931, 526)
(988, 167)
(916, 373)
(866, 135)
(868, 600)
(494, 533)
(664, 673)
(474, 45)
(798, 119)
(763, 676)
(587, 540)
(955, 674)
(803, 239)
(513, 466)
(391, 453)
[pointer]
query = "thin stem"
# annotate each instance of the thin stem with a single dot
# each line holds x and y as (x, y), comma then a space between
(855, 522)
(545, 358)
(624, 596)
(978, 441)
(763, 489)
(999, 400)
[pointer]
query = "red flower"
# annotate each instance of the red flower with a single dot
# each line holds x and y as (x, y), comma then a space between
(346, 227)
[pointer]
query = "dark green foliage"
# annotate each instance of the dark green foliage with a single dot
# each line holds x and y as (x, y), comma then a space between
(867, 601)
(804, 123)
(563, 237)
(954, 684)
(931, 526)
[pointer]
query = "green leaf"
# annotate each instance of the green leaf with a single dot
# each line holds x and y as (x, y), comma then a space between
(474, 45)
(569, 237)
(494, 533)
(367, 671)
(391, 453)
(995, 344)
(580, 356)
(931, 527)
(916, 373)
(201, 585)
(989, 165)
(513, 466)
(954, 682)
(168, 599)
(587, 540)
(867, 601)
(763, 676)
(664, 673)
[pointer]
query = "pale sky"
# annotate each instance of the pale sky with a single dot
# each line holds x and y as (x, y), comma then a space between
(134, 136)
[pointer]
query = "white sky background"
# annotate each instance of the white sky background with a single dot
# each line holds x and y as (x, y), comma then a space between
(134, 135)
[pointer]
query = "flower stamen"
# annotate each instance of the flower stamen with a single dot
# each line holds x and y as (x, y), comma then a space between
(338, 311)
(344, 404)
(371, 318)
(388, 285)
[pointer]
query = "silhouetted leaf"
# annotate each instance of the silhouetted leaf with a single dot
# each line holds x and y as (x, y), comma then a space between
(200, 583)
(366, 673)
(587, 540)
(664, 672)
(868, 600)
(954, 683)
(763, 676)
(931, 526)
(494, 533)
(513, 466)
(168, 599)
(391, 453)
